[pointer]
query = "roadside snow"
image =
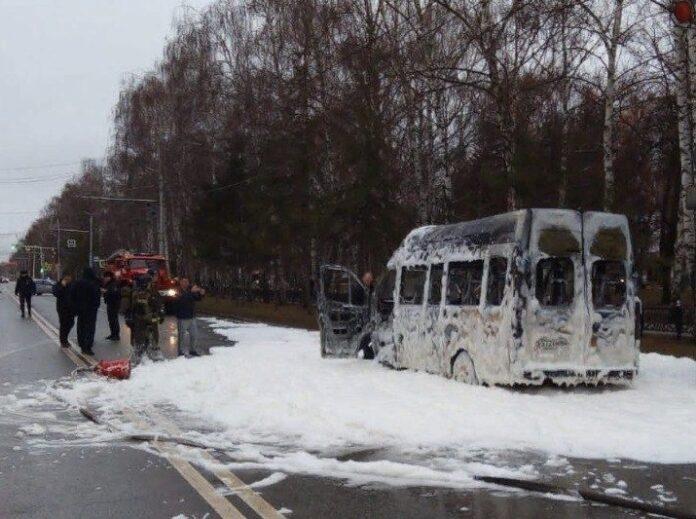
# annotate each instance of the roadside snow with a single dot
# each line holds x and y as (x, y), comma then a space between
(284, 408)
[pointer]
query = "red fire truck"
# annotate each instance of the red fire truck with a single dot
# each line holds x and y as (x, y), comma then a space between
(127, 266)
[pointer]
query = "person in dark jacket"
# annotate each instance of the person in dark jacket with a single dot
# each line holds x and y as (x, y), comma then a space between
(112, 299)
(677, 317)
(86, 296)
(66, 315)
(25, 289)
(185, 311)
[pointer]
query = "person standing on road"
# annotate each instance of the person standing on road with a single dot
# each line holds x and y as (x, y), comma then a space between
(112, 299)
(141, 305)
(25, 289)
(185, 311)
(86, 296)
(66, 316)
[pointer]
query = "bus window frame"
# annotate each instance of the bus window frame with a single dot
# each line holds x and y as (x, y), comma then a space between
(535, 287)
(443, 275)
(448, 272)
(424, 287)
(487, 277)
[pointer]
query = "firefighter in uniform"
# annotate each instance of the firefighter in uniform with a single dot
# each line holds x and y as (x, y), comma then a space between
(142, 307)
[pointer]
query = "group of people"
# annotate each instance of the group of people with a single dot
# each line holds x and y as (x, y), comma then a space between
(139, 302)
(78, 299)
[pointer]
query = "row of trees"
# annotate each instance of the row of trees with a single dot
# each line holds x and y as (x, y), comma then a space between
(287, 133)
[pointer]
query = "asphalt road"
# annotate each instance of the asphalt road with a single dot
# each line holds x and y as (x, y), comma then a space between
(120, 481)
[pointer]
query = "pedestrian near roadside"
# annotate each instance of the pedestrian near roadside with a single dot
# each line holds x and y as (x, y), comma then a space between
(25, 289)
(86, 296)
(677, 317)
(66, 315)
(185, 311)
(112, 299)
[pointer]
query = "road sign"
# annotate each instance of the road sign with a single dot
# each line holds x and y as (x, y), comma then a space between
(71, 243)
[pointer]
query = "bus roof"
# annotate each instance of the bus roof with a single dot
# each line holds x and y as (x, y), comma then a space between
(440, 240)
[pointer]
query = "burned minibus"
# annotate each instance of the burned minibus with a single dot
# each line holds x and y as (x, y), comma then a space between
(519, 298)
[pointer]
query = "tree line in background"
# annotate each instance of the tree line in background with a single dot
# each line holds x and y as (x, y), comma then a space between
(288, 133)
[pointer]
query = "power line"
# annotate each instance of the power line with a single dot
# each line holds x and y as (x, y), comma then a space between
(35, 180)
(41, 166)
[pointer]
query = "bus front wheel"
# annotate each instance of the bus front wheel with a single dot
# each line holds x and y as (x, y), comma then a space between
(365, 350)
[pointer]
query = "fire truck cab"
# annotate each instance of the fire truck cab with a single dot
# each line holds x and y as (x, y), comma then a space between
(126, 266)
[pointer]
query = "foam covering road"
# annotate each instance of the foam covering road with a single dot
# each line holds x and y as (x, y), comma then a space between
(117, 480)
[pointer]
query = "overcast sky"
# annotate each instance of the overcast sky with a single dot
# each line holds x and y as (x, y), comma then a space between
(61, 65)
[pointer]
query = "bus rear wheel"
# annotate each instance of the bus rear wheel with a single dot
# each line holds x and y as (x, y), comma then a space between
(463, 369)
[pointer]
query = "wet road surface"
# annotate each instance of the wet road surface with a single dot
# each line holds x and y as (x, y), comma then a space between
(119, 481)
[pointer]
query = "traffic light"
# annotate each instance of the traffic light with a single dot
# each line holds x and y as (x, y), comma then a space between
(683, 11)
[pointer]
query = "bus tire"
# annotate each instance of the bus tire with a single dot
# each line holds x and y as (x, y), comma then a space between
(365, 350)
(463, 369)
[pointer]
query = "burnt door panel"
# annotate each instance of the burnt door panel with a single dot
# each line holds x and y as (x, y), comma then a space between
(611, 291)
(343, 311)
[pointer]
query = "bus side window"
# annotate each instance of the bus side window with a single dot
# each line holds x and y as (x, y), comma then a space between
(336, 284)
(497, 269)
(435, 294)
(464, 283)
(412, 285)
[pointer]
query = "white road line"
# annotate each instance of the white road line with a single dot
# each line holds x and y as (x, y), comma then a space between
(198, 482)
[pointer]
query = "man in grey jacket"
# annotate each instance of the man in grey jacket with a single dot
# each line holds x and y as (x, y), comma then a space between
(185, 311)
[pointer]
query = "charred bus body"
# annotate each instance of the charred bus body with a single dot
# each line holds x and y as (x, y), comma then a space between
(517, 298)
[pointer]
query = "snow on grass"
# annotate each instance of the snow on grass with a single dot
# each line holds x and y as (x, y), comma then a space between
(273, 389)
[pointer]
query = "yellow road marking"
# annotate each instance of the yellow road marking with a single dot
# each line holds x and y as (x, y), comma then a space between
(244, 491)
(202, 486)
(194, 478)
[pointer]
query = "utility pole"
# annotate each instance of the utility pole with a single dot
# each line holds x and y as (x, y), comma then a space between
(160, 227)
(59, 272)
(34, 249)
(160, 182)
(91, 241)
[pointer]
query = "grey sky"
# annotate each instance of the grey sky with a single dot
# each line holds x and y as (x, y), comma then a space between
(61, 65)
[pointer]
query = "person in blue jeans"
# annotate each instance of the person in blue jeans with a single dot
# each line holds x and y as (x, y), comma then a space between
(185, 311)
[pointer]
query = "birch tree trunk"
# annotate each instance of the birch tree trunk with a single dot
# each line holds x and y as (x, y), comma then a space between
(565, 124)
(684, 246)
(609, 99)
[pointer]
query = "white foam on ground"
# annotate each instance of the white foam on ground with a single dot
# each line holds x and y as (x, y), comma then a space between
(273, 389)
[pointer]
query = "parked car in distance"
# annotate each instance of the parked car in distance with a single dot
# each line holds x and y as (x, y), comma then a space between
(44, 286)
